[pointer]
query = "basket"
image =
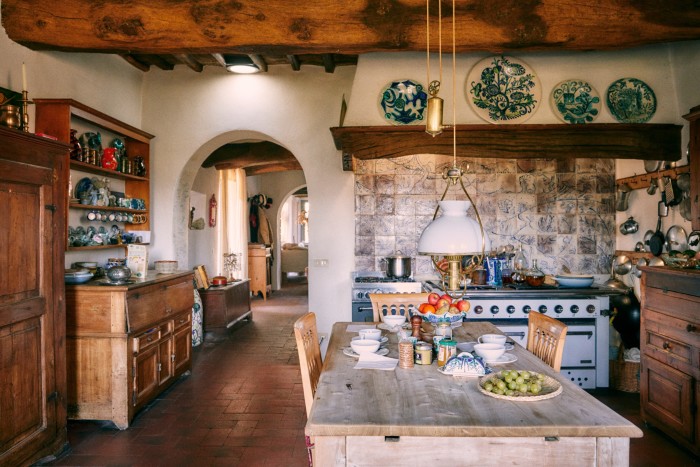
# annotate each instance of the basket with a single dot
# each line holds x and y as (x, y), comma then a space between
(624, 376)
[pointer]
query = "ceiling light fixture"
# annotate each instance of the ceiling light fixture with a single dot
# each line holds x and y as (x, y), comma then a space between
(241, 64)
(453, 238)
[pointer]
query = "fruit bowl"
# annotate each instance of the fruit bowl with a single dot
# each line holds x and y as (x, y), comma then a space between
(434, 318)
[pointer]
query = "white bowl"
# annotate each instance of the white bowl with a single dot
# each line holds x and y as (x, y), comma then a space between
(492, 339)
(364, 346)
(573, 280)
(372, 334)
(489, 352)
(394, 320)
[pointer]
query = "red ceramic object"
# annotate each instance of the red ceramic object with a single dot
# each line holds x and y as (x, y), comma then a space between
(109, 161)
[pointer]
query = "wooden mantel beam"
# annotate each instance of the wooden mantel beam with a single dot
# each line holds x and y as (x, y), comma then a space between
(551, 141)
(351, 27)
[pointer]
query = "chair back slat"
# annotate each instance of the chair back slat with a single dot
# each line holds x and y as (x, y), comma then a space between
(545, 338)
(309, 349)
(395, 303)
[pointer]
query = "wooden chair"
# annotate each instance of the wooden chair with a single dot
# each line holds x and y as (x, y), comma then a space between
(545, 338)
(310, 362)
(395, 303)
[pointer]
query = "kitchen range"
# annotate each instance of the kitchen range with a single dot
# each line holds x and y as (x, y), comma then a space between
(584, 310)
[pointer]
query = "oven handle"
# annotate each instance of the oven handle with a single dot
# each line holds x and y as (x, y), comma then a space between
(580, 333)
(364, 308)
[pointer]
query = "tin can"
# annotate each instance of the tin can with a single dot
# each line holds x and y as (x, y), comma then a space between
(448, 348)
(424, 353)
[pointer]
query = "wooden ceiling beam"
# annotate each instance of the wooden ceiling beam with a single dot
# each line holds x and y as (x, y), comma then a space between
(244, 155)
(322, 26)
(220, 59)
(259, 62)
(544, 141)
(190, 62)
(328, 63)
(137, 63)
(294, 61)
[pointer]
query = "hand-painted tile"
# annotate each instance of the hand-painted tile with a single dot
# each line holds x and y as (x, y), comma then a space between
(546, 243)
(385, 225)
(586, 245)
(364, 184)
(567, 224)
(384, 205)
(365, 204)
(364, 225)
(526, 183)
(384, 185)
(384, 245)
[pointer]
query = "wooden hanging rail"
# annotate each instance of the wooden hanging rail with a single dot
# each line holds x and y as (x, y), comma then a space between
(637, 182)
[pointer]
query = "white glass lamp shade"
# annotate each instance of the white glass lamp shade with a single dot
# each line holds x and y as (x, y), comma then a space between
(453, 233)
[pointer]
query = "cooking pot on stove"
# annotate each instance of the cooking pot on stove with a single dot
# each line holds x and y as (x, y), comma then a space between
(398, 266)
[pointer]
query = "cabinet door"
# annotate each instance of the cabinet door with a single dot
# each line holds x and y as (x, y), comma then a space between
(166, 367)
(667, 397)
(182, 351)
(146, 375)
(29, 364)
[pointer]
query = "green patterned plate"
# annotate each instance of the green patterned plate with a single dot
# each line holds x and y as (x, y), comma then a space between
(575, 101)
(631, 100)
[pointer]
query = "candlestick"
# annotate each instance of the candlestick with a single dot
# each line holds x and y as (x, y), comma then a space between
(24, 77)
(25, 110)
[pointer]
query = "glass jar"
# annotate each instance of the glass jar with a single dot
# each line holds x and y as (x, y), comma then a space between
(447, 349)
(534, 276)
(520, 260)
(424, 353)
(444, 328)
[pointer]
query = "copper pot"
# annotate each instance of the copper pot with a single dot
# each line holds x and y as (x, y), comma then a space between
(218, 280)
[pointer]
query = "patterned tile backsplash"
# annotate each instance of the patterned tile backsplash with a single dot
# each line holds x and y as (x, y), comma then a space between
(562, 211)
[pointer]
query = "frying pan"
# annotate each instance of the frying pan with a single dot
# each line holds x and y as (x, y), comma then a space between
(656, 242)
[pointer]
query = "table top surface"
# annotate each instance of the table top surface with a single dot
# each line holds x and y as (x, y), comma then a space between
(420, 401)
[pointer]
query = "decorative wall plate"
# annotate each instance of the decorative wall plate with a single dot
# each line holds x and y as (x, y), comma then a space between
(402, 102)
(503, 90)
(575, 101)
(631, 100)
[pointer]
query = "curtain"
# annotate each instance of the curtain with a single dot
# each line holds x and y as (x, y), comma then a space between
(233, 215)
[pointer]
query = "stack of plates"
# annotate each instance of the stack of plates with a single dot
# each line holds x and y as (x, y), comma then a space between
(77, 276)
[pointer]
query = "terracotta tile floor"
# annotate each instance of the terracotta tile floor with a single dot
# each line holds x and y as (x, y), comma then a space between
(243, 405)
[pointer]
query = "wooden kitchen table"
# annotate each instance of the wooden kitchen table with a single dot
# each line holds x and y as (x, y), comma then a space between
(419, 416)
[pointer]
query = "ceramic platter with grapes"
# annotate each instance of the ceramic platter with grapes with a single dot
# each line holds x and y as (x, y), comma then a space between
(519, 385)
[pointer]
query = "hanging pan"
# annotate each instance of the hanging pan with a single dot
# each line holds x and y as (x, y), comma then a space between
(656, 242)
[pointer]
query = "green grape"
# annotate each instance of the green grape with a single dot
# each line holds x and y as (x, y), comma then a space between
(488, 386)
(510, 392)
(498, 391)
(500, 384)
(520, 380)
(523, 388)
(512, 385)
(535, 388)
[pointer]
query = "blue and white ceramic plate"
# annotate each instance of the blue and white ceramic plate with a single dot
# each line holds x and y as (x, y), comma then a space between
(631, 100)
(503, 90)
(575, 101)
(402, 102)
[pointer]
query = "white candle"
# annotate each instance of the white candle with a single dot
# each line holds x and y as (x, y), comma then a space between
(24, 77)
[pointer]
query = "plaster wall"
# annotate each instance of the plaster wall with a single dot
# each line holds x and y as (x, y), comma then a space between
(202, 243)
(195, 113)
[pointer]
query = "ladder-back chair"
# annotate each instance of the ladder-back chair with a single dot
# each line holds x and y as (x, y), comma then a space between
(545, 338)
(395, 304)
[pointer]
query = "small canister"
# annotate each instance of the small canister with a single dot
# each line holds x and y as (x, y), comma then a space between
(424, 353)
(448, 348)
(405, 354)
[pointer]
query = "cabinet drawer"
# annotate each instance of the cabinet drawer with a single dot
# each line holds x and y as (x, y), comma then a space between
(144, 307)
(182, 320)
(667, 339)
(147, 339)
(672, 303)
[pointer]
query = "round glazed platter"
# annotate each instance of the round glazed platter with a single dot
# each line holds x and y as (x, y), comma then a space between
(503, 359)
(575, 101)
(402, 102)
(503, 90)
(631, 100)
(383, 340)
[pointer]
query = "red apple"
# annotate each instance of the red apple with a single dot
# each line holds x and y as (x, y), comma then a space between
(442, 303)
(433, 298)
(453, 310)
(447, 297)
(463, 305)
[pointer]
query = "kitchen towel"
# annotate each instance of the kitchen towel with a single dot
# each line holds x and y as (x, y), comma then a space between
(372, 361)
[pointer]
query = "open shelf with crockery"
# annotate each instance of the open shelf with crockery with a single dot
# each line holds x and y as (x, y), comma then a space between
(57, 117)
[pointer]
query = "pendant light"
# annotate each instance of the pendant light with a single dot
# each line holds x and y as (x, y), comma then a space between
(454, 237)
(433, 121)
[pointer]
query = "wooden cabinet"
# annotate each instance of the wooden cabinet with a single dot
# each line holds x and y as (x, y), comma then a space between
(125, 344)
(33, 174)
(694, 161)
(57, 117)
(260, 269)
(225, 306)
(670, 346)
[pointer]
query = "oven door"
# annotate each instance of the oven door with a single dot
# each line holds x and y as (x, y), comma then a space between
(579, 347)
(362, 311)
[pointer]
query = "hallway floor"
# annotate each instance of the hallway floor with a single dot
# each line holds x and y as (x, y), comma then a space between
(243, 405)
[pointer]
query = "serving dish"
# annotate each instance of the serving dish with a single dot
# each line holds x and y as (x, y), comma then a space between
(631, 100)
(434, 318)
(503, 359)
(574, 281)
(402, 102)
(503, 90)
(550, 388)
(77, 276)
(575, 101)
(383, 340)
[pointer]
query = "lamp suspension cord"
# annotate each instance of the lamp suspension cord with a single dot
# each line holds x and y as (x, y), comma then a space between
(427, 39)
(454, 90)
